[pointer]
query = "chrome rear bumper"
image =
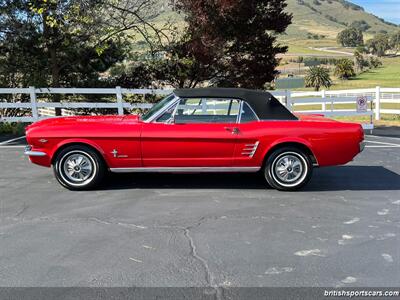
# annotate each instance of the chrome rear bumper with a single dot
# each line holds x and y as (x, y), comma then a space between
(28, 151)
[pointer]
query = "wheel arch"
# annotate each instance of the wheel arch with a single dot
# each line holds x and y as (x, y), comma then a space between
(301, 145)
(86, 143)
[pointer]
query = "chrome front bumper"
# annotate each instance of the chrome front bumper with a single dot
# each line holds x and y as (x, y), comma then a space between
(362, 146)
(28, 151)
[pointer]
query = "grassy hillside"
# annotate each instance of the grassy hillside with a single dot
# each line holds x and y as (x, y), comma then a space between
(328, 17)
(325, 18)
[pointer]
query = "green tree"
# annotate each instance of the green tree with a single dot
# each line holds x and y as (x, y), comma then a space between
(359, 61)
(395, 42)
(379, 44)
(362, 49)
(361, 25)
(63, 43)
(344, 69)
(227, 43)
(318, 77)
(350, 37)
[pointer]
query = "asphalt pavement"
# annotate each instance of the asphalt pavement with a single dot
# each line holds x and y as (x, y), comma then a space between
(164, 230)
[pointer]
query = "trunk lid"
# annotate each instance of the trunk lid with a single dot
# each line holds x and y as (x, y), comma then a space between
(313, 118)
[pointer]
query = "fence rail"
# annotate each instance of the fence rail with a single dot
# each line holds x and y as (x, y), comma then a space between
(328, 100)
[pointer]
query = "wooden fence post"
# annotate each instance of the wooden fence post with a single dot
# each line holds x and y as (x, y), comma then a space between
(32, 94)
(119, 101)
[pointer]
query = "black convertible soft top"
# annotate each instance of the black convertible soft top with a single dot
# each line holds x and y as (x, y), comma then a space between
(266, 106)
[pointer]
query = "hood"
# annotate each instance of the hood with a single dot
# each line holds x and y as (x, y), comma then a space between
(83, 119)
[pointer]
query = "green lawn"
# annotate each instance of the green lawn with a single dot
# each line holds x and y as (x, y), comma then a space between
(302, 46)
(386, 119)
(343, 106)
(386, 76)
(296, 49)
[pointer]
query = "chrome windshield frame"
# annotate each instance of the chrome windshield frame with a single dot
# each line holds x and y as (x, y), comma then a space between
(162, 110)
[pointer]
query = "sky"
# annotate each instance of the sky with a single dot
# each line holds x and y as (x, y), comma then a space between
(387, 9)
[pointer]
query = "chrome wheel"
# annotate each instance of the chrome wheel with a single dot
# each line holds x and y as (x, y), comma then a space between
(289, 169)
(77, 168)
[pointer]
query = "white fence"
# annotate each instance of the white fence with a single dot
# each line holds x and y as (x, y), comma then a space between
(327, 100)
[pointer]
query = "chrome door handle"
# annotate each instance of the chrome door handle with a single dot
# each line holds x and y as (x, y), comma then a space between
(233, 130)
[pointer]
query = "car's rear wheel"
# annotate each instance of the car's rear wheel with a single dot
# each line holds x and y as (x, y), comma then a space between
(288, 169)
(79, 167)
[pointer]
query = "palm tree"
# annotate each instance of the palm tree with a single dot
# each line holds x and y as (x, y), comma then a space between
(344, 69)
(317, 77)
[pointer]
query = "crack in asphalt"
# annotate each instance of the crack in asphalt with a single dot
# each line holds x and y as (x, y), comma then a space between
(22, 210)
(208, 274)
(209, 277)
(186, 228)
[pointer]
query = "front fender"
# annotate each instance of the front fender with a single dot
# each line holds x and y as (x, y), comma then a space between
(70, 141)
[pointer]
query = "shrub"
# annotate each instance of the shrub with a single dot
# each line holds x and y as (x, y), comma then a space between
(13, 128)
(344, 69)
(375, 62)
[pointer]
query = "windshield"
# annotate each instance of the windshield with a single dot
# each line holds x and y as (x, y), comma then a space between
(157, 107)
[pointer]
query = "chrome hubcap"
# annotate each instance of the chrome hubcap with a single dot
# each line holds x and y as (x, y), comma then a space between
(78, 167)
(288, 168)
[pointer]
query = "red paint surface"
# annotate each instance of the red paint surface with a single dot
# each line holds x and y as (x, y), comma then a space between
(193, 145)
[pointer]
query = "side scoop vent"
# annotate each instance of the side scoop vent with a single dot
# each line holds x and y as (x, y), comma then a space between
(250, 149)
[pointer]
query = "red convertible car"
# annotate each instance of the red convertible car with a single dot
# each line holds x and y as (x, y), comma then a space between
(195, 130)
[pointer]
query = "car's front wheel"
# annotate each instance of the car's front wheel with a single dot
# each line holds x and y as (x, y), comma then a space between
(288, 169)
(79, 167)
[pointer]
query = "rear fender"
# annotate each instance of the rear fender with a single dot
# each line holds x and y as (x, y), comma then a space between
(293, 140)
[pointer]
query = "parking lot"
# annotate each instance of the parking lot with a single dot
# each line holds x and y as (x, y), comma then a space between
(169, 230)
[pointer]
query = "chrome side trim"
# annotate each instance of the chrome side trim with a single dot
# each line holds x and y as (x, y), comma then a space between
(35, 153)
(186, 170)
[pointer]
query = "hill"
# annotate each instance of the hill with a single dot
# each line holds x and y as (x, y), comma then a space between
(315, 22)
(328, 17)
